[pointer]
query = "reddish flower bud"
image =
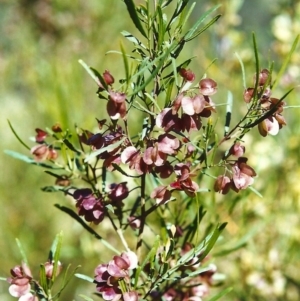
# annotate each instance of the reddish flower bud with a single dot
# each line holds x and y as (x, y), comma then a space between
(56, 128)
(187, 74)
(109, 79)
(40, 135)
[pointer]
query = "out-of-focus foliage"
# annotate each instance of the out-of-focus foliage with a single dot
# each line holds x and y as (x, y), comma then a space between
(42, 83)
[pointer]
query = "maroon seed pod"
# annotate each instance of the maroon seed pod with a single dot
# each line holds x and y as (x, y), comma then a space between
(207, 86)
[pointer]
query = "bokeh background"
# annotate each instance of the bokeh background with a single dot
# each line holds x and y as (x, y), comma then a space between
(42, 83)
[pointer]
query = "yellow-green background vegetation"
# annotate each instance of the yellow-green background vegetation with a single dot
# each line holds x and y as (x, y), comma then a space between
(42, 83)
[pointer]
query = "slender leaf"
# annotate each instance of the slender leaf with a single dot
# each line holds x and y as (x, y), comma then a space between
(125, 61)
(243, 70)
(180, 7)
(184, 17)
(86, 298)
(22, 252)
(26, 159)
(89, 71)
(71, 146)
(194, 29)
(221, 294)
(134, 17)
(212, 240)
(84, 277)
(256, 63)
(205, 27)
(153, 101)
(65, 281)
(54, 188)
(255, 191)
(3, 279)
(54, 255)
(268, 113)
(161, 27)
(175, 73)
(130, 37)
(17, 136)
(43, 279)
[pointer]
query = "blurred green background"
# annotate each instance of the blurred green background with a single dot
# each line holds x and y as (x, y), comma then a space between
(42, 83)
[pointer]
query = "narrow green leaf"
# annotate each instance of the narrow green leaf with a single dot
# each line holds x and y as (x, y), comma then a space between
(21, 157)
(150, 258)
(134, 17)
(125, 61)
(86, 298)
(17, 136)
(54, 255)
(221, 294)
(71, 146)
(119, 52)
(243, 70)
(43, 279)
(198, 271)
(212, 241)
(95, 75)
(104, 149)
(89, 71)
(54, 188)
(120, 170)
(3, 279)
(268, 113)
(255, 191)
(184, 17)
(166, 3)
(256, 63)
(161, 27)
(205, 27)
(22, 252)
(285, 63)
(26, 159)
(65, 281)
(170, 86)
(179, 8)
(194, 29)
(84, 277)
(153, 101)
(130, 37)
(175, 72)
